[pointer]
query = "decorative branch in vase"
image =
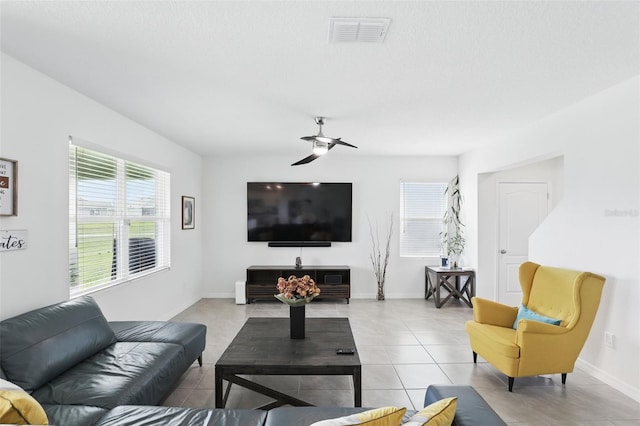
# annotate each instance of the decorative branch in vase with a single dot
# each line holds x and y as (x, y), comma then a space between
(380, 260)
(453, 240)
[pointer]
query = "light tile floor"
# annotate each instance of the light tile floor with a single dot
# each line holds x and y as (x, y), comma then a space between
(404, 345)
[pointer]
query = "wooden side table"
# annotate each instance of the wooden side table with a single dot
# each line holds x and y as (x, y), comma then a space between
(460, 283)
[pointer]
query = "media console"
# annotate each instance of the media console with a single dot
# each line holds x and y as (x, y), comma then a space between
(334, 281)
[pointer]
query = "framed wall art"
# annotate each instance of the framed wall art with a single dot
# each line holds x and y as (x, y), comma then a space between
(8, 187)
(188, 212)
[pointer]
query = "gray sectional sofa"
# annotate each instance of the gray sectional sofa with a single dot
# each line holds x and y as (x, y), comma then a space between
(87, 371)
(79, 366)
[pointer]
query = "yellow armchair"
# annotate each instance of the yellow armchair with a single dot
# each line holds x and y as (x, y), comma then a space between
(534, 347)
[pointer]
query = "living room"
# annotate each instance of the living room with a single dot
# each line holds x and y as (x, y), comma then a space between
(593, 227)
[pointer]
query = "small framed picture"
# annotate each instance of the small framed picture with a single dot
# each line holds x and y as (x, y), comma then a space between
(8, 187)
(188, 212)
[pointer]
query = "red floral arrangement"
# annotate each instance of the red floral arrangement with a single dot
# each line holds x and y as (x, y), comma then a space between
(297, 291)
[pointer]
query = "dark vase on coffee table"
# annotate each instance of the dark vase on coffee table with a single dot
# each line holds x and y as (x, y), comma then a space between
(296, 322)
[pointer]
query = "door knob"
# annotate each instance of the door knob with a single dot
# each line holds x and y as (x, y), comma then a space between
(503, 251)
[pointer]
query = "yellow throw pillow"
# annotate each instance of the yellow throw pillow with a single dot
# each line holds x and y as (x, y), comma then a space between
(18, 407)
(440, 413)
(385, 416)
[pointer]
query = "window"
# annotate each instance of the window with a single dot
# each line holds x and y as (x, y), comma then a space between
(422, 206)
(119, 220)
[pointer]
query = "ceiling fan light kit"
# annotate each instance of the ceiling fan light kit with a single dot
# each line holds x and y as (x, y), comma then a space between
(320, 148)
(320, 144)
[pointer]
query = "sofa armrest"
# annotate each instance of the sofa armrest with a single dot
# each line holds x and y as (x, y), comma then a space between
(541, 335)
(471, 408)
(191, 336)
(489, 312)
(531, 326)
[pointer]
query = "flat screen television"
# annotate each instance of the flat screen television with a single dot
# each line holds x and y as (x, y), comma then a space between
(298, 211)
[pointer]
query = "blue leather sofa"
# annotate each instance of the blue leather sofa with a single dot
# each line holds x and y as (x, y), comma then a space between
(86, 371)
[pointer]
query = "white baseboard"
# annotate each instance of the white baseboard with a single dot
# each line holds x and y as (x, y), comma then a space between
(230, 295)
(215, 295)
(630, 391)
(386, 296)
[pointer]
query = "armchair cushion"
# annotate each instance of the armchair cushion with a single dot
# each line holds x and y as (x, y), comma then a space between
(526, 313)
(502, 340)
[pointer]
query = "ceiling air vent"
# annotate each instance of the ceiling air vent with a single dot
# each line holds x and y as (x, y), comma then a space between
(358, 30)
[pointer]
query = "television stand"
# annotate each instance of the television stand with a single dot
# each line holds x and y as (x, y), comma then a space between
(334, 281)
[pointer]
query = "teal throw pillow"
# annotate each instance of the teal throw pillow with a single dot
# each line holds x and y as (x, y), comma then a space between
(526, 313)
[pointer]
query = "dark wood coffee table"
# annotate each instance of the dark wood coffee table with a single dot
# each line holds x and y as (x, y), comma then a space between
(263, 347)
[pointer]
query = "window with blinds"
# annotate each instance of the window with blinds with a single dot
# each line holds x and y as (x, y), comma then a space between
(422, 206)
(119, 220)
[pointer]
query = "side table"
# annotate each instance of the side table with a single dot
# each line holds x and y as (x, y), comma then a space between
(460, 283)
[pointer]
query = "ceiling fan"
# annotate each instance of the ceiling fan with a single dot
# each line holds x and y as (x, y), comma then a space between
(321, 144)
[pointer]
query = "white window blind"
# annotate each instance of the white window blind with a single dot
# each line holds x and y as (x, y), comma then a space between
(119, 220)
(422, 206)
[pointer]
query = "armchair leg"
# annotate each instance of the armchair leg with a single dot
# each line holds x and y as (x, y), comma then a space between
(200, 360)
(510, 384)
(475, 358)
(564, 378)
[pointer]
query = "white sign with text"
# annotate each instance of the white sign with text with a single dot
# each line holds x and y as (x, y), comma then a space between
(13, 240)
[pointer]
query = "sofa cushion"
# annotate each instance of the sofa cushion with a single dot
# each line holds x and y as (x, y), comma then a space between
(39, 345)
(124, 373)
(73, 415)
(161, 416)
(471, 408)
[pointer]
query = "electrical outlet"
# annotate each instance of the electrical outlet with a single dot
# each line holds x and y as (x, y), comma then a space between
(609, 339)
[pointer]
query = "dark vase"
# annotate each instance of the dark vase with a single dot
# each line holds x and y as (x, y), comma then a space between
(296, 321)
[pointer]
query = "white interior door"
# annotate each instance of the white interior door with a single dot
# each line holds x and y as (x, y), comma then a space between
(522, 207)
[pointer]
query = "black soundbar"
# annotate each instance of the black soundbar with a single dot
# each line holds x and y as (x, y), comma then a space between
(299, 243)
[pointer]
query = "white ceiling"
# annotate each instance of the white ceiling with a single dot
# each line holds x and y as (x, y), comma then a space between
(235, 77)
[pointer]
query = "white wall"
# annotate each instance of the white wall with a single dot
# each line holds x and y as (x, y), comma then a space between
(376, 186)
(599, 139)
(38, 115)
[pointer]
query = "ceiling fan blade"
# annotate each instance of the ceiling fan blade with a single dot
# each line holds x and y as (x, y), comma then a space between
(323, 139)
(318, 138)
(306, 160)
(341, 142)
